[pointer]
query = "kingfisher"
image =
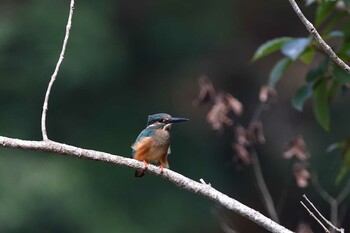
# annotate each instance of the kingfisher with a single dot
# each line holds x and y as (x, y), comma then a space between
(153, 143)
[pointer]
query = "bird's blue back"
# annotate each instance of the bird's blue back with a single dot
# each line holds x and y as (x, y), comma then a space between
(148, 132)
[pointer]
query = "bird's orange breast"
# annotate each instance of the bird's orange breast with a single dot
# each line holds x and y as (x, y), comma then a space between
(150, 151)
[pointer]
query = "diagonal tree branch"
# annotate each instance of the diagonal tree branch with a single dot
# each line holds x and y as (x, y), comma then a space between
(318, 38)
(54, 75)
(175, 178)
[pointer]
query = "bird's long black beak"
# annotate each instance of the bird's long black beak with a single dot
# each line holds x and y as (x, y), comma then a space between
(177, 119)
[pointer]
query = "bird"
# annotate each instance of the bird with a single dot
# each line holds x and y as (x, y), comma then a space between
(153, 143)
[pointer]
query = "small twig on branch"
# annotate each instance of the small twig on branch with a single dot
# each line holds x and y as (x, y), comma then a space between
(314, 216)
(174, 177)
(341, 230)
(318, 38)
(54, 75)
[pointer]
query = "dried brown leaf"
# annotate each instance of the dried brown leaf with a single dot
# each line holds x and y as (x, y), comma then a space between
(256, 132)
(303, 228)
(206, 91)
(217, 116)
(241, 135)
(242, 153)
(301, 175)
(264, 93)
(297, 148)
(234, 104)
(268, 95)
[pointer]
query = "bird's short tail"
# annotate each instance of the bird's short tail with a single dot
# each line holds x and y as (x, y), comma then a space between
(139, 173)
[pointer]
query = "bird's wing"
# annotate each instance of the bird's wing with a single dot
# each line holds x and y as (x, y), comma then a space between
(144, 134)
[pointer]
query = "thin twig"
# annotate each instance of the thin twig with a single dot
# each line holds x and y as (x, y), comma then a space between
(270, 206)
(318, 38)
(314, 216)
(265, 193)
(54, 75)
(324, 219)
(174, 177)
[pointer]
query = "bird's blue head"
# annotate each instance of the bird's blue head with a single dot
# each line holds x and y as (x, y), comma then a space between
(163, 118)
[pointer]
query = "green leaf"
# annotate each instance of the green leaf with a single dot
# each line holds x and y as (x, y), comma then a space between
(344, 170)
(320, 103)
(294, 48)
(269, 47)
(323, 11)
(347, 2)
(278, 70)
(341, 76)
(346, 30)
(315, 74)
(344, 146)
(301, 95)
(307, 56)
(332, 89)
(344, 51)
(341, 175)
(334, 21)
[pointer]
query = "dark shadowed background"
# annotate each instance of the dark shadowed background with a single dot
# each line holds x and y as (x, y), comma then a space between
(125, 60)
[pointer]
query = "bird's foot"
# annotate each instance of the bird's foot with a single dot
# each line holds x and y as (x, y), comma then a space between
(145, 164)
(161, 168)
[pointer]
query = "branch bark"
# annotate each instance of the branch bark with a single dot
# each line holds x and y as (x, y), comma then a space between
(318, 38)
(54, 75)
(175, 178)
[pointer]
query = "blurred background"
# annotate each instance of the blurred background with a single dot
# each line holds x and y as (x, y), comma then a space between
(125, 60)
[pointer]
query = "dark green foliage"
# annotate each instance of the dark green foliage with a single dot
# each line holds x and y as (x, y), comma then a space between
(307, 56)
(344, 170)
(278, 70)
(301, 95)
(323, 11)
(341, 76)
(304, 49)
(320, 103)
(324, 80)
(343, 147)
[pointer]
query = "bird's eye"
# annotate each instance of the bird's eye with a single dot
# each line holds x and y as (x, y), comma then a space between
(163, 120)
